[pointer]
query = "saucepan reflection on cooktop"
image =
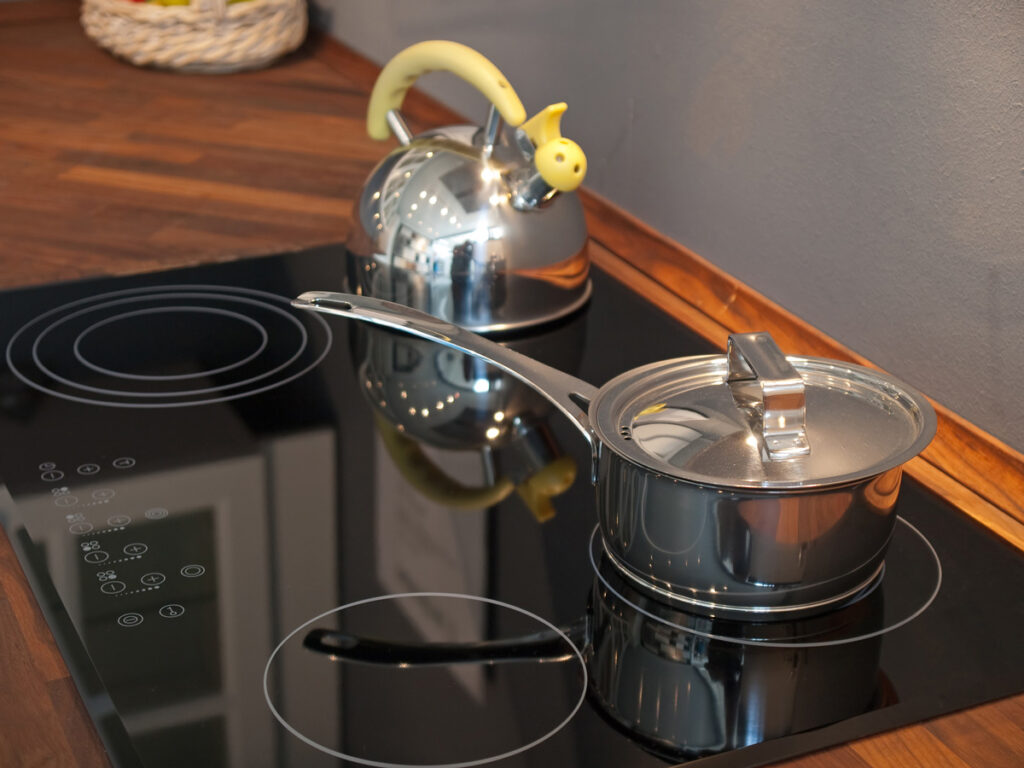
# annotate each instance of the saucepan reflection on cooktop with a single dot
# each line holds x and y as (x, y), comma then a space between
(677, 693)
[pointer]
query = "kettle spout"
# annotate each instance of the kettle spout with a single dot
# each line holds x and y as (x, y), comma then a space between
(554, 163)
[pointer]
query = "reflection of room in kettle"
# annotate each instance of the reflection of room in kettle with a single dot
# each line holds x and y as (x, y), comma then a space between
(467, 187)
(478, 280)
(436, 229)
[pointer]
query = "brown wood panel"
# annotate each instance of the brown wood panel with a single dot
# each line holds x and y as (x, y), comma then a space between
(76, 727)
(908, 748)
(37, 11)
(110, 169)
(990, 735)
(32, 633)
(201, 190)
(32, 728)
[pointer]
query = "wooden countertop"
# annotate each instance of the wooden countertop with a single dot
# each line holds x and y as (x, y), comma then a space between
(107, 169)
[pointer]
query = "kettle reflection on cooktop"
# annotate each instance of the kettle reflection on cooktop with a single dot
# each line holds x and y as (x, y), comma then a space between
(423, 393)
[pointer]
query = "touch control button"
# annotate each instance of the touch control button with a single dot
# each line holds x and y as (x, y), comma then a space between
(157, 513)
(118, 520)
(47, 465)
(125, 462)
(172, 611)
(152, 579)
(135, 549)
(88, 469)
(80, 528)
(112, 587)
(52, 475)
(97, 557)
(131, 619)
(192, 571)
(103, 494)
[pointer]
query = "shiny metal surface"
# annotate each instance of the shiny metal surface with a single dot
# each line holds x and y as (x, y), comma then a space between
(398, 127)
(681, 418)
(687, 695)
(764, 381)
(567, 393)
(451, 399)
(425, 394)
(456, 224)
(685, 501)
(745, 552)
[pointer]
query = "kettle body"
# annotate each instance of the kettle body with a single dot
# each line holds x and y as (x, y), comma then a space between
(473, 224)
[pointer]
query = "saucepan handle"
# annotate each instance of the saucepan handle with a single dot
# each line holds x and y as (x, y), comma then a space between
(567, 393)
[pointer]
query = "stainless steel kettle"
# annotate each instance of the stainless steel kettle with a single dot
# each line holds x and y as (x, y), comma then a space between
(476, 225)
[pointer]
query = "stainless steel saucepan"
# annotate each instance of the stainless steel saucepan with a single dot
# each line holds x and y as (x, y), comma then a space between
(743, 484)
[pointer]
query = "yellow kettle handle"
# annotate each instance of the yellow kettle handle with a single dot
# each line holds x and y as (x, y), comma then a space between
(402, 71)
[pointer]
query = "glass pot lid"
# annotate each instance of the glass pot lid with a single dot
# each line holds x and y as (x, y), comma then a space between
(754, 418)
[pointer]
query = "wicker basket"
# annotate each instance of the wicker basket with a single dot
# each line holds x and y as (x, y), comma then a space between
(206, 36)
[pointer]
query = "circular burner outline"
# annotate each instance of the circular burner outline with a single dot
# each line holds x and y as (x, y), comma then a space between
(781, 644)
(304, 335)
(468, 763)
(223, 292)
(264, 338)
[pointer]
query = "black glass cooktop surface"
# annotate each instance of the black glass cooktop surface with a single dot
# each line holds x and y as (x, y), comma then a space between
(263, 537)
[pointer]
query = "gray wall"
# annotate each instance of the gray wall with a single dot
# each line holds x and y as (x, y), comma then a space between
(861, 163)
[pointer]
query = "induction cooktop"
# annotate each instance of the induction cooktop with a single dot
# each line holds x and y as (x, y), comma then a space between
(244, 564)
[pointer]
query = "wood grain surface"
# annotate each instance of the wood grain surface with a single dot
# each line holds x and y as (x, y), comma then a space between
(106, 169)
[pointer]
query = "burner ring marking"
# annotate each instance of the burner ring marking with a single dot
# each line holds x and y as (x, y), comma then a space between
(264, 338)
(160, 291)
(782, 644)
(466, 764)
(184, 295)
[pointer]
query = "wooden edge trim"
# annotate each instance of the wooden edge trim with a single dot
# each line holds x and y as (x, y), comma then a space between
(957, 494)
(972, 469)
